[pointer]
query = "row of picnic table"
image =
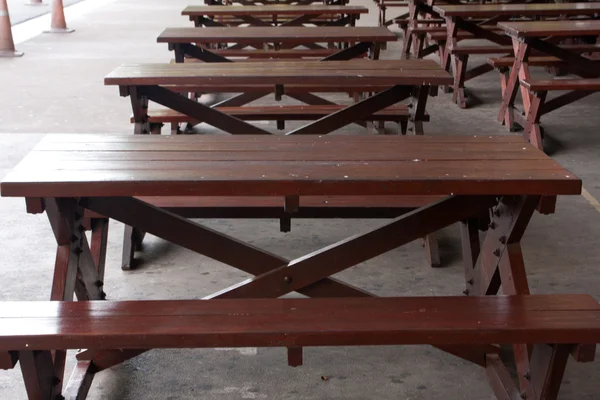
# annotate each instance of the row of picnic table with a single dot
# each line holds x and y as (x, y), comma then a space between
(490, 186)
(561, 36)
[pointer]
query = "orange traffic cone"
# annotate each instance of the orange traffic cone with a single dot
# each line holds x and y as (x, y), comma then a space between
(58, 24)
(7, 45)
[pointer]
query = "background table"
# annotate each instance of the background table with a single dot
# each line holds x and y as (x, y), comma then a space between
(194, 41)
(274, 15)
(404, 79)
(541, 37)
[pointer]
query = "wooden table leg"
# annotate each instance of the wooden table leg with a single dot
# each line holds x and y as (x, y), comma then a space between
(521, 50)
(75, 269)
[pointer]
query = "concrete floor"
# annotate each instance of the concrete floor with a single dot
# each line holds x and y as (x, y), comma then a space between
(21, 10)
(57, 87)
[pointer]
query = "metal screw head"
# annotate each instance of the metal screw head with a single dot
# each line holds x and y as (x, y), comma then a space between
(470, 281)
(99, 283)
(527, 375)
(523, 395)
(502, 239)
(497, 252)
(287, 279)
(466, 292)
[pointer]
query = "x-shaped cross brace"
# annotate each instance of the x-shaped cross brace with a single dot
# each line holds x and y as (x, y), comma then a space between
(356, 112)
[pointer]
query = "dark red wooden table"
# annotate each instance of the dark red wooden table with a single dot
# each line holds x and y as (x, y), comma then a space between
(498, 180)
(541, 37)
(198, 42)
(460, 18)
(403, 79)
(274, 15)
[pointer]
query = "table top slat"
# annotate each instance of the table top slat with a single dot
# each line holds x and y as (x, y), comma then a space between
(286, 34)
(352, 72)
(198, 11)
(551, 28)
(279, 166)
(490, 10)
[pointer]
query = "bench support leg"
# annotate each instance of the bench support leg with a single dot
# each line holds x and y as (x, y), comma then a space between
(432, 250)
(548, 365)
(39, 375)
(8, 359)
(132, 242)
(80, 381)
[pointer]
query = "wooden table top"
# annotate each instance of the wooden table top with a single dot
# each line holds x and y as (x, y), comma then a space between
(273, 10)
(287, 34)
(197, 165)
(351, 72)
(551, 28)
(490, 10)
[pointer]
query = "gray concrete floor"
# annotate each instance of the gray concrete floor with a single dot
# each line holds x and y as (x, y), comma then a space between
(57, 87)
(22, 10)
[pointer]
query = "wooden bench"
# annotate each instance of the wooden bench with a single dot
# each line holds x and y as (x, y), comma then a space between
(552, 324)
(399, 114)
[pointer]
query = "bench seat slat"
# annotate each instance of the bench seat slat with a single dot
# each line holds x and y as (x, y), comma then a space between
(287, 113)
(591, 85)
(299, 322)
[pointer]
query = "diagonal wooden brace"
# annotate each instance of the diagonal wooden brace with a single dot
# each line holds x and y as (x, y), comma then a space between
(210, 243)
(337, 257)
(199, 111)
(355, 112)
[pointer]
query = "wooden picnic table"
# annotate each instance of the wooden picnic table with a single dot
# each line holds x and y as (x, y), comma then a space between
(541, 37)
(194, 42)
(496, 179)
(274, 15)
(402, 78)
(273, 2)
(479, 20)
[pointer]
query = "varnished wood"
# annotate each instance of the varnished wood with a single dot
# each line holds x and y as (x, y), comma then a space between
(551, 28)
(290, 35)
(381, 165)
(516, 9)
(592, 85)
(354, 72)
(300, 322)
(278, 10)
